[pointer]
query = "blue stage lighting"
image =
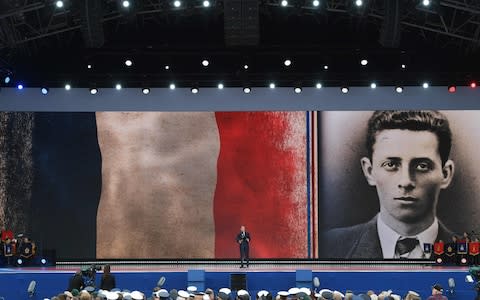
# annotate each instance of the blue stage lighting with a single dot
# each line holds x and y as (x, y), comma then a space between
(43, 261)
(7, 79)
(44, 90)
(19, 261)
(20, 86)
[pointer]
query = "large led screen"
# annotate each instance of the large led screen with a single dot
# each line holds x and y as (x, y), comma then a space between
(180, 184)
(158, 184)
(403, 180)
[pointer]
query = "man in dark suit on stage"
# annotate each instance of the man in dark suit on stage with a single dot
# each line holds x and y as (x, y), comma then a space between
(243, 239)
(408, 163)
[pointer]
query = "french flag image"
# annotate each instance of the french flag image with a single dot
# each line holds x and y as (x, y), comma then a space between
(180, 184)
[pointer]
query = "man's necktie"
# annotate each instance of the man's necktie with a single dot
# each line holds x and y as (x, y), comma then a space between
(406, 245)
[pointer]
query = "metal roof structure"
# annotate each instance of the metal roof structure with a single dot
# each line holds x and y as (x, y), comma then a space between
(44, 45)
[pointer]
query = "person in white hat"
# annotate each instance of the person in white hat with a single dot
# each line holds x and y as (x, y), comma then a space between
(137, 295)
(306, 291)
(225, 290)
(112, 295)
(243, 295)
(282, 295)
(262, 293)
(183, 295)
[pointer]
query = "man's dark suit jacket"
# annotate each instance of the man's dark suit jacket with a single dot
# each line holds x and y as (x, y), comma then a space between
(244, 240)
(361, 241)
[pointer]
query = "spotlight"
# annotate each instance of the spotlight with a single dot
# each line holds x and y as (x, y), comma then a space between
(316, 3)
(358, 3)
(373, 85)
(177, 3)
(344, 89)
(325, 67)
(68, 87)
(297, 90)
(43, 261)
(89, 66)
(128, 62)
(399, 89)
(194, 90)
(272, 85)
(146, 91)
(287, 62)
(284, 3)
(318, 85)
(93, 91)
(439, 260)
(425, 85)
(126, 4)
(172, 86)
(205, 63)
(206, 3)
(463, 260)
(364, 62)
(19, 261)
(247, 90)
(59, 4)
(167, 67)
(452, 89)
(7, 79)
(245, 67)
(426, 2)
(20, 86)
(220, 86)
(44, 90)
(473, 84)
(118, 86)
(404, 66)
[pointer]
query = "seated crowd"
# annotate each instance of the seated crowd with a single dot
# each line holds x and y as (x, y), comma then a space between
(108, 291)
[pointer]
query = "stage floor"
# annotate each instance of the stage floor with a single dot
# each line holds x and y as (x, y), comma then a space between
(270, 275)
(230, 266)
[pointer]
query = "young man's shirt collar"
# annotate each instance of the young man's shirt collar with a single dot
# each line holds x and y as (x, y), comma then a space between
(389, 237)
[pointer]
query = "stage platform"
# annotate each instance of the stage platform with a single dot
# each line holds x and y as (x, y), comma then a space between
(358, 276)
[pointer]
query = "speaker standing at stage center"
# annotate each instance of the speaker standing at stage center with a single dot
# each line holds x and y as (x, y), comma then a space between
(243, 239)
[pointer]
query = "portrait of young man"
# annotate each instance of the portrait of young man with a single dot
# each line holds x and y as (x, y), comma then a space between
(408, 163)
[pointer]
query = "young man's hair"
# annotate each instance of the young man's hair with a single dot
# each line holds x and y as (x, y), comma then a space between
(415, 120)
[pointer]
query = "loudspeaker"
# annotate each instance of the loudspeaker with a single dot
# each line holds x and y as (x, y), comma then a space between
(238, 281)
(303, 278)
(391, 28)
(196, 278)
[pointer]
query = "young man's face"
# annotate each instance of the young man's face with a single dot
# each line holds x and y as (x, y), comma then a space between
(407, 171)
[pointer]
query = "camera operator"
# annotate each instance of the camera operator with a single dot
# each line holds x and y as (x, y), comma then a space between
(108, 280)
(76, 282)
(475, 273)
(89, 275)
